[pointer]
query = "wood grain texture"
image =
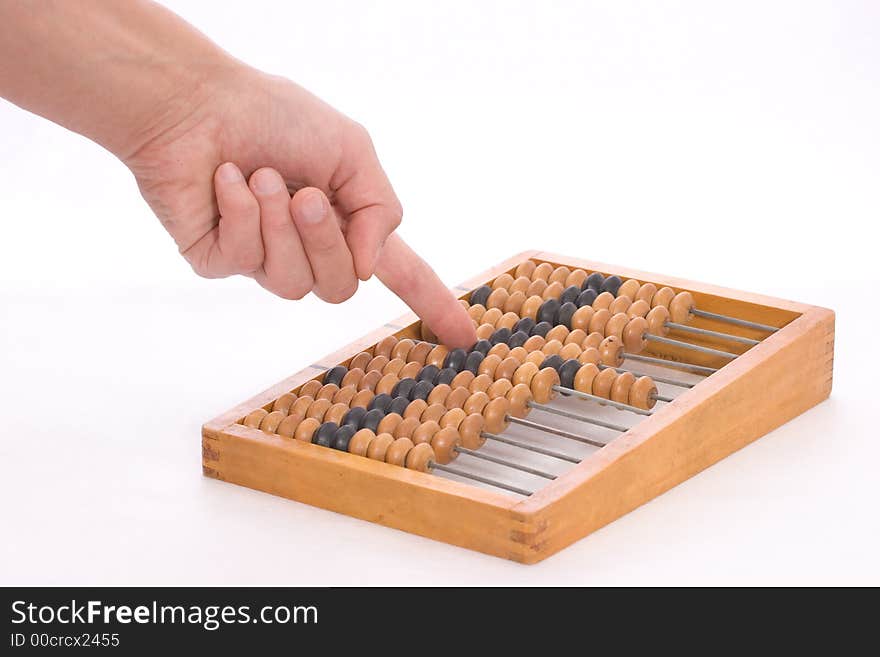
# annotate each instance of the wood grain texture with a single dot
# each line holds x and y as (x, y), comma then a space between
(773, 382)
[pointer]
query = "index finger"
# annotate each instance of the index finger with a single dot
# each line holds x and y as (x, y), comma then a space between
(413, 280)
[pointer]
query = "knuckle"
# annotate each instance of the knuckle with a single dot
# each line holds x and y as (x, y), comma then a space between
(247, 260)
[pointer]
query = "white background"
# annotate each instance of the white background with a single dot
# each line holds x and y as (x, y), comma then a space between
(735, 144)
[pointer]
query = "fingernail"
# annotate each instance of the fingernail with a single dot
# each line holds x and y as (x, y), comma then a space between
(266, 181)
(311, 208)
(229, 173)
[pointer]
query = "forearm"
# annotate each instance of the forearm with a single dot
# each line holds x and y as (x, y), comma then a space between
(116, 72)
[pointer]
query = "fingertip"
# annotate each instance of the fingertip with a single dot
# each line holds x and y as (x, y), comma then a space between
(309, 206)
(228, 173)
(266, 182)
(456, 329)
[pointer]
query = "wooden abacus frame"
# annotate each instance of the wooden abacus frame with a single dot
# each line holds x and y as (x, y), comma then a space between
(787, 373)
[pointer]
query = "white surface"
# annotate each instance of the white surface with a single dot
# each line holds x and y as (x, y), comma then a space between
(735, 145)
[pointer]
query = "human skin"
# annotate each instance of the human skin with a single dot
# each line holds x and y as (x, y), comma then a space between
(249, 173)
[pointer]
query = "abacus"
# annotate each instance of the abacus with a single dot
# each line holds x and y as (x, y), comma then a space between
(591, 390)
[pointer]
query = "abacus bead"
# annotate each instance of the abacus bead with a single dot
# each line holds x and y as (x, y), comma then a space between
(583, 379)
(566, 312)
(552, 291)
(452, 418)
(680, 307)
(433, 413)
(567, 371)
(406, 427)
(582, 317)
(663, 297)
(536, 357)
(504, 280)
(318, 407)
(534, 343)
(415, 409)
(390, 421)
(379, 446)
(306, 429)
(570, 351)
(646, 293)
(525, 325)
(476, 312)
(553, 361)
(524, 373)
(381, 402)
(517, 339)
(536, 288)
(589, 355)
(462, 379)
(586, 298)
(499, 388)
(501, 350)
(284, 402)
(480, 383)
(551, 347)
(327, 391)
(519, 353)
(492, 316)
(576, 278)
(657, 319)
(362, 398)
(457, 397)
(506, 368)
(620, 305)
(616, 325)
(394, 366)
(542, 271)
(594, 339)
(354, 416)
(421, 390)
(254, 418)
(629, 288)
(489, 364)
(514, 302)
(335, 374)
(642, 393)
(301, 405)
(378, 363)
(569, 294)
(480, 295)
(495, 415)
(335, 413)
(271, 421)
(439, 393)
(497, 299)
(520, 284)
(603, 382)
(352, 377)
(456, 359)
(576, 336)
(309, 388)
(507, 321)
(372, 419)
(397, 452)
(420, 458)
(343, 437)
(475, 403)
(501, 335)
(360, 442)
(542, 385)
(403, 387)
(559, 275)
(600, 319)
(325, 433)
(344, 395)
(386, 384)
(384, 346)
(444, 444)
(369, 381)
(530, 307)
(634, 340)
(612, 284)
(548, 310)
(398, 405)
(621, 387)
(360, 360)
(470, 431)
(611, 352)
(446, 375)
(288, 425)
(541, 328)
(420, 352)
(594, 281)
(519, 397)
(639, 308)
(603, 301)
(558, 332)
(483, 346)
(428, 373)
(525, 268)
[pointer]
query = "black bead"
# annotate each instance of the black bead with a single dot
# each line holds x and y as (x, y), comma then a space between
(428, 373)
(526, 324)
(565, 313)
(483, 346)
(567, 371)
(518, 339)
(480, 295)
(354, 416)
(445, 376)
(499, 336)
(372, 419)
(421, 390)
(547, 311)
(381, 402)
(324, 434)
(541, 328)
(586, 298)
(398, 405)
(334, 375)
(342, 437)
(403, 387)
(594, 281)
(555, 361)
(569, 294)
(455, 359)
(612, 284)
(473, 361)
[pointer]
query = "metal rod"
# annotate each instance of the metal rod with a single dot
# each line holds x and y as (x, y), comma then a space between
(580, 418)
(505, 462)
(736, 321)
(475, 477)
(699, 369)
(531, 448)
(658, 379)
(688, 345)
(601, 400)
(711, 334)
(663, 399)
